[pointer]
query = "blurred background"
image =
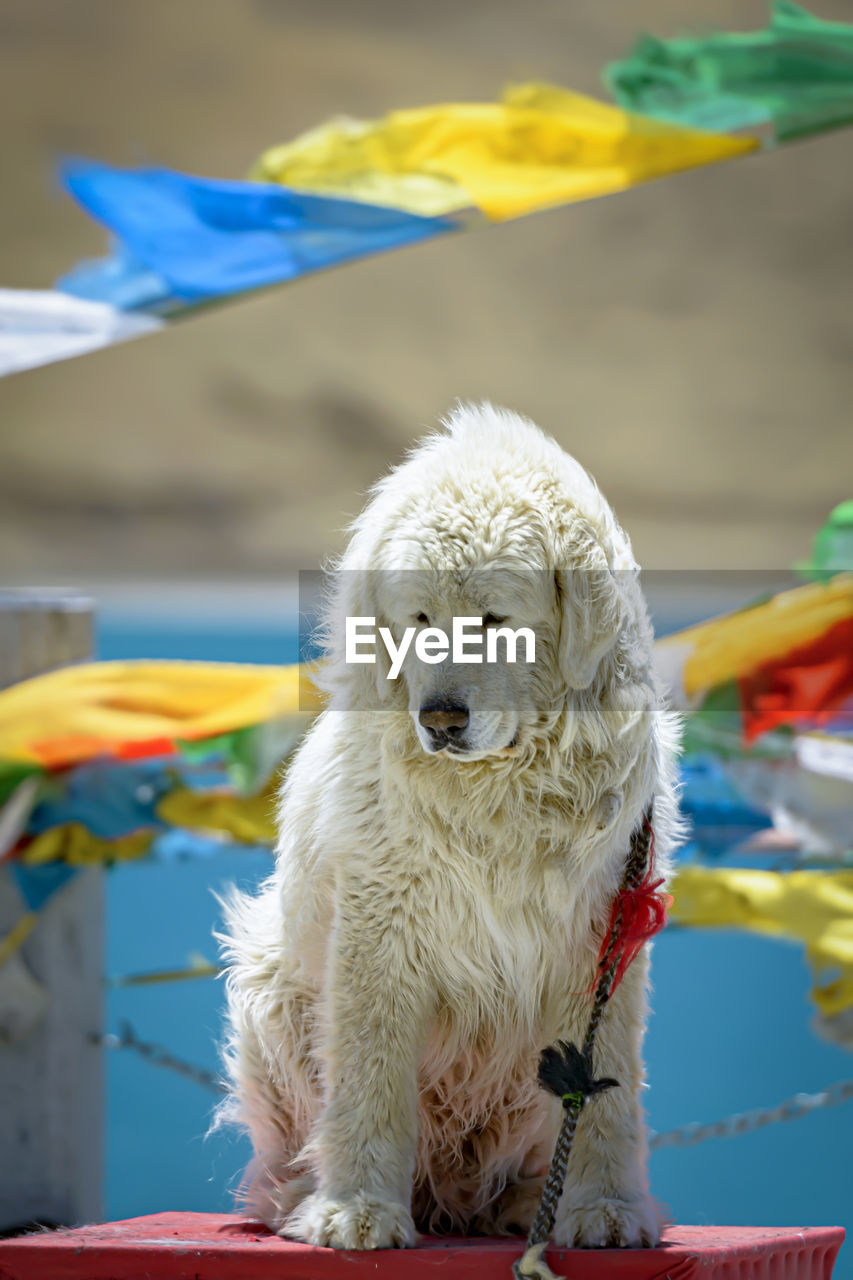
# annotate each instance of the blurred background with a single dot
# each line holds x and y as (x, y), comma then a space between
(689, 341)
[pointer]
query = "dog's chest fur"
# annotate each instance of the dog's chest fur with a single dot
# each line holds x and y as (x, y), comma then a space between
(511, 931)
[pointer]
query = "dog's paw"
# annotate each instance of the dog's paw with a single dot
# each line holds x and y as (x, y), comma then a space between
(609, 1223)
(351, 1222)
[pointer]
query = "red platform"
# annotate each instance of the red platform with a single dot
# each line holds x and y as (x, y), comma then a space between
(203, 1246)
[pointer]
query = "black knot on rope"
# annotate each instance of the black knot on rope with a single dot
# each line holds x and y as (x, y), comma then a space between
(566, 1072)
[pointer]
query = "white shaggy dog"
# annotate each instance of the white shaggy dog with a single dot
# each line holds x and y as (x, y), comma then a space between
(450, 845)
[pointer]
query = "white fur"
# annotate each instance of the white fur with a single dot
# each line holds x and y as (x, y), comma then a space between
(433, 921)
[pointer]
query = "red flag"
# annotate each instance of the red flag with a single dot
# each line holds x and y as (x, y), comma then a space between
(809, 684)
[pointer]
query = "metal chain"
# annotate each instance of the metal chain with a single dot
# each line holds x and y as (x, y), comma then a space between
(158, 1056)
(802, 1104)
(688, 1135)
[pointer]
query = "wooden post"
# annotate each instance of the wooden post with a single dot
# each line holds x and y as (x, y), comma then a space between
(51, 1095)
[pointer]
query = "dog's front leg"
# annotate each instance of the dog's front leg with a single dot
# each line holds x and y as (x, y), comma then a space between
(606, 1201)
(376, 1010)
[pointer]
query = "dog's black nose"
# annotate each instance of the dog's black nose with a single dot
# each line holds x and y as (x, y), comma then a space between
(444, 720)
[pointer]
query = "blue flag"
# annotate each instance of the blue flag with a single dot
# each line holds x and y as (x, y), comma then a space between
(190, 239)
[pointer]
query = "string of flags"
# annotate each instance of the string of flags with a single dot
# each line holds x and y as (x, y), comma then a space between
(106, 762)
(352, 188)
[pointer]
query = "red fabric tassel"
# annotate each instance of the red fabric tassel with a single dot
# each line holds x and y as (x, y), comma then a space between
(641, 913)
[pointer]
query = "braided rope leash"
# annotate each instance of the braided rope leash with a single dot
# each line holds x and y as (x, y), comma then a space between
(566, 1071)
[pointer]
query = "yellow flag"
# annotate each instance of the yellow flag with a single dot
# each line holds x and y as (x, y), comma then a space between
(250, 819)
(81, 712)
(726, 648)
(540, 146)
(814, 907)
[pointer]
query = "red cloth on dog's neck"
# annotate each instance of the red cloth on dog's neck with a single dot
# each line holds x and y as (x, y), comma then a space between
(640, 912)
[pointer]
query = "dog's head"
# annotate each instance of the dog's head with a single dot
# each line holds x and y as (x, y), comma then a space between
(495, 574)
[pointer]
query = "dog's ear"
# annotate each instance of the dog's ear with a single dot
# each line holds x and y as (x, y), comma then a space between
(591, 608)
(353, 594)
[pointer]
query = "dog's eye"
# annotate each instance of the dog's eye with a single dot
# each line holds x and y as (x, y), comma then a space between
(422, 619)
(492, 620)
